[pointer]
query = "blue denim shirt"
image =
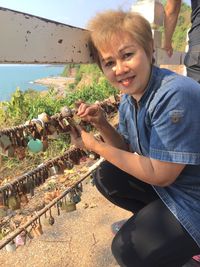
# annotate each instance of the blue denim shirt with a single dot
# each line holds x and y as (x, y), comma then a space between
(166, 126)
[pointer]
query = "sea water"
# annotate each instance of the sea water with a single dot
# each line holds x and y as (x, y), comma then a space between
(23, 76)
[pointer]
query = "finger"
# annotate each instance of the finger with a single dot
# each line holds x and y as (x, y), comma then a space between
(74, 132)
(79, 128)
(82, 109)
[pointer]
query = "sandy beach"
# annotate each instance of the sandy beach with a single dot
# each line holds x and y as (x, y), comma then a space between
(59, 82)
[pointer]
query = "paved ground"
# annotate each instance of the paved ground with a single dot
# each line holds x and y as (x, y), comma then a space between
(78, 239)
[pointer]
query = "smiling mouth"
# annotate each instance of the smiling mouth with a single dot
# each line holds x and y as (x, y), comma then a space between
(127, 81)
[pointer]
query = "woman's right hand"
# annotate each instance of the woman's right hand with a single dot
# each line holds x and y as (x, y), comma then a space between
(92, 113)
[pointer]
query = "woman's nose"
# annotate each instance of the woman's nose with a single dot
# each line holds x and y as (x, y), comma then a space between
(119, 67)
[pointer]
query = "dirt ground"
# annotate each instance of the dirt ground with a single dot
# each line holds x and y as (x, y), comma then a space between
(81, 238)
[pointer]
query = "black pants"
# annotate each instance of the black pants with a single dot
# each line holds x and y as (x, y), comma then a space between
(152, 237)
(192, 62)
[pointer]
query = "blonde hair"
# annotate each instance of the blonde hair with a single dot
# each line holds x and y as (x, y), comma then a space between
(107, 25)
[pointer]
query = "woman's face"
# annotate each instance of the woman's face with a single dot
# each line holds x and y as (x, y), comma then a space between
(126, 65)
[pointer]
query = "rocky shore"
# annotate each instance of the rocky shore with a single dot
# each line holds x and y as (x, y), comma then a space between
(59, 83)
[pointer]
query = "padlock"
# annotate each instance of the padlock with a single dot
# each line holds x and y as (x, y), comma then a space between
(60, 166)
(35, 145)
(52, 131)
(56, 192)
(53, 170)
(3, 211)
(68, 165)
(79, 189)
(9, 152)
(1, 198)
(23, 198)
(5, 230)
(20, 152)
(5, 193)
(30, 185)
(74, 156)
(44, 142)
(6, 145)
(20, 239)
(14, 202)
(32, 232)
(11, 247)
(68, 206)
(44, 117)
(5, 141)
(1, 236)
(39, 124)
(38, 229)
(65, 124)
(58, 208)
(66, 112)
(45, 220)
(74, 197)
(51, 220)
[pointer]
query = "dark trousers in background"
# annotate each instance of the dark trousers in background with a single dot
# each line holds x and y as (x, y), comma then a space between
(192, 62)
(152, 237)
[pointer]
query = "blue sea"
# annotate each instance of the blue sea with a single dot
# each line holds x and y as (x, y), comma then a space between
(23, 76)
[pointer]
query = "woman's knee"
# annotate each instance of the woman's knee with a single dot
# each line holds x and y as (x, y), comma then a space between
(104, 176)
(127, 253)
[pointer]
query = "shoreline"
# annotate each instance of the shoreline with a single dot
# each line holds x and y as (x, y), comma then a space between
(59, 82)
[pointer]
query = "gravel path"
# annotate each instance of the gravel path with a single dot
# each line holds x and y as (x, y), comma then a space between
(81, 238)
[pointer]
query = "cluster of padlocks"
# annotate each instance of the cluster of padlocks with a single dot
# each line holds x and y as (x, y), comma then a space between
(14, 193)
(15, 234)
(33, 135)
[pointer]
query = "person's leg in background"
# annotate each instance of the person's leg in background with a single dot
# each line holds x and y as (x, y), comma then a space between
(192, 62)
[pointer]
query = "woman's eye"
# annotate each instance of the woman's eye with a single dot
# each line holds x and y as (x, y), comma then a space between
(108, 64)
(128, 55)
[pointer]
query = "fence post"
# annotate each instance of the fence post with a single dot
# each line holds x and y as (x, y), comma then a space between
(153, 11)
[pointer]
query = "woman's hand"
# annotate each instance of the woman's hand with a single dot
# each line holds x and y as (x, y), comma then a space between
(91, 113)
(76, 138)
(89, 141)
(82, 139)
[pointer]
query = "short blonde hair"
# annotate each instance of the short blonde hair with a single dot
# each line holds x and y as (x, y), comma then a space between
(106, 25)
